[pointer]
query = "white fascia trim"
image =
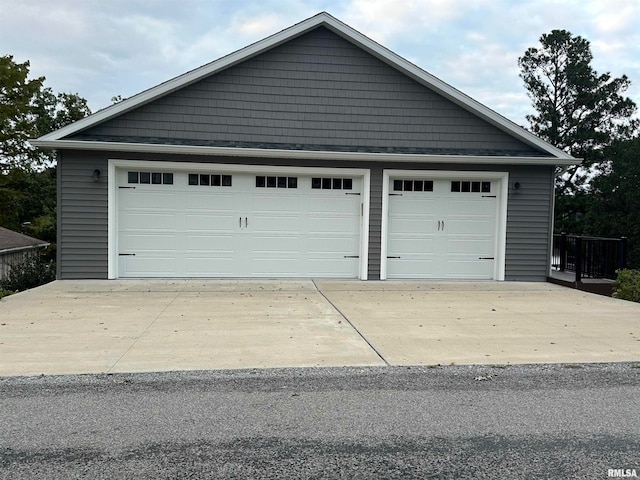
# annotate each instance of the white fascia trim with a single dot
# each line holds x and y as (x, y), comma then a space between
(501, 227)
(112, 225)
(7, 251)
(114, 164)
(298, 154)
(344, 31)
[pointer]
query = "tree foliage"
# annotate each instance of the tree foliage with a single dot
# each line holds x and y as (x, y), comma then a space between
(17, 94)
(577, 109)
(612, 207)
(29, 110)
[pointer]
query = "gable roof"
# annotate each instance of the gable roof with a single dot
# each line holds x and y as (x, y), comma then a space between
(57, 139)
(10, 241)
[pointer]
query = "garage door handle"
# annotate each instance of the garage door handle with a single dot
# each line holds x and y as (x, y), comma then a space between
(394, 257)
(246, 222)
(126, 254)
(486, 258)
(438, 225)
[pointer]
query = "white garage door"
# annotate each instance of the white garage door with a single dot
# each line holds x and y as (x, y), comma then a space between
(442, 228)
(226, 224)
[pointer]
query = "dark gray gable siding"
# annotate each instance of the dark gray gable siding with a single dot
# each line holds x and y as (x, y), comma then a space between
(315, 92)
(82, 211)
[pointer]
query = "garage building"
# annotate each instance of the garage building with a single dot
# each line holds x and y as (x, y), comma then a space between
(315, 152)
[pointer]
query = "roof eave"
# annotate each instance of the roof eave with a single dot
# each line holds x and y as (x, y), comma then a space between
(296, 154)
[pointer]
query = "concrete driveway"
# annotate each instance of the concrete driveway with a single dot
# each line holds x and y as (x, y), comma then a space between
(160, 325)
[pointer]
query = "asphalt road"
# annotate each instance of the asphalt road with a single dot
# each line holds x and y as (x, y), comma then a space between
(560, 421)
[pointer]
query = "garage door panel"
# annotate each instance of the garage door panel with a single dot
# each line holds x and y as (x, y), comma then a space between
(414, 244)
(277, 243)
(285, 266)
(327, 266)
(412, 206)
(336, 203)
(213, 221)
(149, 221)
(211, 201)
(469, 268)
(149, 199)
(202, 266)
(469, 207)
(219, 243)
(275, 223)
(320, 224)
(472, 245)
(276, 203)
(141, 242)
(339, 245)
(470, 226)
(146, 265)
(411, 225)
(410, 268)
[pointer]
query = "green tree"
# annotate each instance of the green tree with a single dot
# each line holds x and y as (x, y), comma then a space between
(51, 112)
(17, 94)
(577, 109)
(28, 202)
(614, 206)
(29, 110)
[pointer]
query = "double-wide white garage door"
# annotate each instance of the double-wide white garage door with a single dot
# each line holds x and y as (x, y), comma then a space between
(195, 223)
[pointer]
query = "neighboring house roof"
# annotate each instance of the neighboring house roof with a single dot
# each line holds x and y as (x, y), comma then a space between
(11, 241)
(57, 139)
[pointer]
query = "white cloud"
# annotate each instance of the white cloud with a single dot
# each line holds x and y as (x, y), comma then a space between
(103, 48)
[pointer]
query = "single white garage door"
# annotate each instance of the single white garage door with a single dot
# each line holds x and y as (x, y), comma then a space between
(226, 224)
(442, 228)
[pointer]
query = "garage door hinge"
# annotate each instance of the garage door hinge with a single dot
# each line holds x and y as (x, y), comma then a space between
(394, 257)
(126, 254)
(486, 258)
(489, 196)
(352, 256)
(128, 187)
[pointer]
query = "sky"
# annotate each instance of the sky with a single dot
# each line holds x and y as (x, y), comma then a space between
(103, 48)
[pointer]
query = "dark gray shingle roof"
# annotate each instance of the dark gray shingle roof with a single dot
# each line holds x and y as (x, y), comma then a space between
(10, 240)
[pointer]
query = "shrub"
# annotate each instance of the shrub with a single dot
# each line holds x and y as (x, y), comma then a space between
(627, 285)
(5, 293)
(31, 272)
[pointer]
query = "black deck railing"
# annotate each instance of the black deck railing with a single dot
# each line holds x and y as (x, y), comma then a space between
(589, 257)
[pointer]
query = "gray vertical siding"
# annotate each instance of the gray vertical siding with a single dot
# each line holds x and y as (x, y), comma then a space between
(83, 213)
(317, 90)
(529, 223)
(375, 222)
(82, 217)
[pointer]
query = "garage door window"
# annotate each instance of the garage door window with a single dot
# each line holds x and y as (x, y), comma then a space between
(331, 183)
(470, 187)
(210, 180)
(155, 178)
(276, 182)
(413, 185)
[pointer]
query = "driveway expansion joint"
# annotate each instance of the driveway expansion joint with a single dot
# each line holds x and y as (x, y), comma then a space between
(352, 325)
(115, 364)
